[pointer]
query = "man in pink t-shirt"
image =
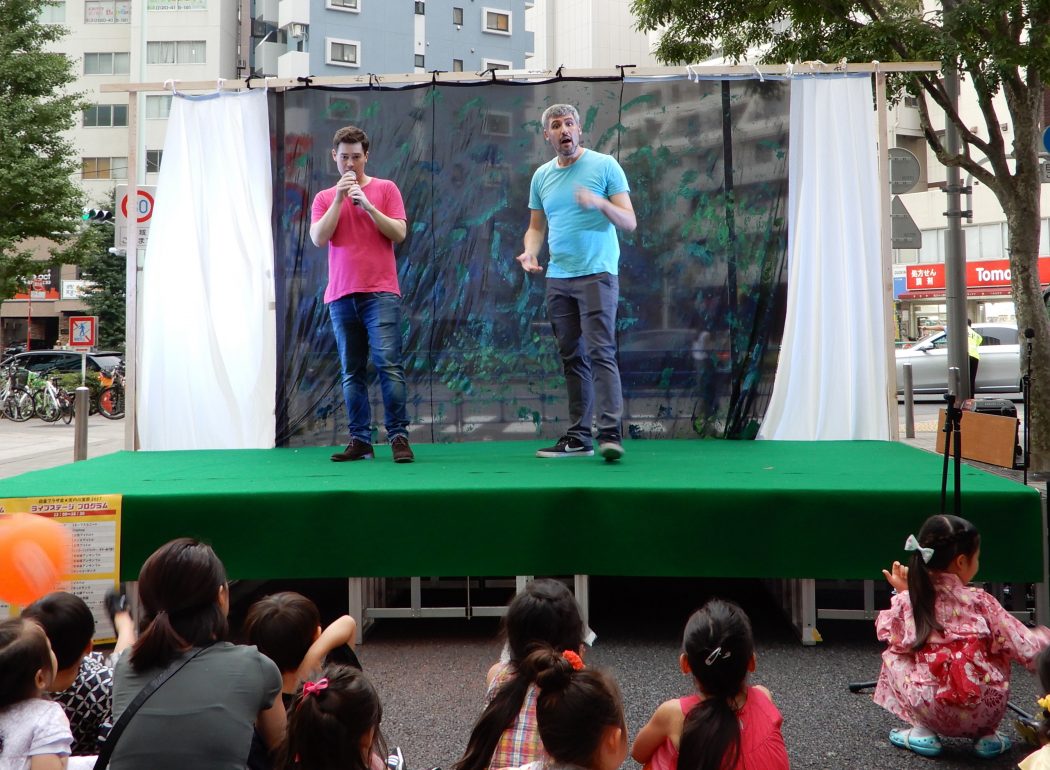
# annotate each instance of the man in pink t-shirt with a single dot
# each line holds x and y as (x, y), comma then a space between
(360, 219)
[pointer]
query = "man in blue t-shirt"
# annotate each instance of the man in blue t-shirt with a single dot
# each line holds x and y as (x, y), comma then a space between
(582, 196)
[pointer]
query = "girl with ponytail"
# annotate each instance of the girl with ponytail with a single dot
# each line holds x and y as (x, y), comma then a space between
(729, 725)
(505, 735)
(946, 668)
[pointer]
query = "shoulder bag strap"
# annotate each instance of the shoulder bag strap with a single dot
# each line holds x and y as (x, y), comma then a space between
(142, 697)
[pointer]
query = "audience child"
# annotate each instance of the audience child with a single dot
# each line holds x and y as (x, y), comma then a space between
(1040, 759)
(579, 713)
(334, 724)
(84, 682)
(286, 628)
(203, 715)
(946, 667)
(729, 723)
(505, 734)
(34, 732)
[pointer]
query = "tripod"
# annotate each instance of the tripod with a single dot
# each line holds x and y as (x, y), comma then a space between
(952, 439)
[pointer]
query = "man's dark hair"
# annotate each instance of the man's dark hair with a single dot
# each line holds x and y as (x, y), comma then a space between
(350, 135)
(68, 623)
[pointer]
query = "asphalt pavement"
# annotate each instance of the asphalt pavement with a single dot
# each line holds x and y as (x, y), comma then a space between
(430, 673)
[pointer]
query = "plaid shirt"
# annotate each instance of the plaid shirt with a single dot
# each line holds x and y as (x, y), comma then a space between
(89, 704)
(520, 743)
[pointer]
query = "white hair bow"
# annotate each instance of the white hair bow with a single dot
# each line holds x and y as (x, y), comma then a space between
(912, 544)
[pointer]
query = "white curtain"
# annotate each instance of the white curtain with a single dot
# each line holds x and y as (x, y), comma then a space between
(208, 338)
(831, 374)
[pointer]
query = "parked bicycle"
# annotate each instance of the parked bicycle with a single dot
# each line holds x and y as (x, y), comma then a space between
(16, 403)
(111, 397)
(53, 401)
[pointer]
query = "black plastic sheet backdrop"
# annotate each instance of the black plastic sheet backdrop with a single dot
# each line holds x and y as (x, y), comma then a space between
(702, 279)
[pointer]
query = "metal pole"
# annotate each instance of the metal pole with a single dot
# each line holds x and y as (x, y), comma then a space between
(909, 403)
(887, 258)
(955, 246)
(81, 407)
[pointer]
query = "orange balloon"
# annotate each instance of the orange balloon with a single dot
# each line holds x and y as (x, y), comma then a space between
(35, 552)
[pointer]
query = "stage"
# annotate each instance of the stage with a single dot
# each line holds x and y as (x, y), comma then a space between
(716, 508)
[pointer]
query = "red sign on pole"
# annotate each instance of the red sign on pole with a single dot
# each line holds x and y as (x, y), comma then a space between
(83, 331)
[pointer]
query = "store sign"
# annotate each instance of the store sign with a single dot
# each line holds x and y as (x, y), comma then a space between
(986, 273)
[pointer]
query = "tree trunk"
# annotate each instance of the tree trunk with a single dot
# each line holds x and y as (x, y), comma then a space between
(1021, 205)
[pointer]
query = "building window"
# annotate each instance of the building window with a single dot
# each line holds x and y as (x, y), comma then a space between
(344, 5)
(421, 8)
(175, 52)
(158, 107)
(153, 158)
(457, 65)
(105, 115)
(343, 53)
(497, 22)
(107, 63)
(420, 61)
(107, 11)
(494, 64)
(457, 16)
(104, 168)
(54, 13)
(177, 5)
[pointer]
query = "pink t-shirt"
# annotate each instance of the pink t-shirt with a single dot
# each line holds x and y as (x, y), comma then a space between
(360, 258)
(761, 743)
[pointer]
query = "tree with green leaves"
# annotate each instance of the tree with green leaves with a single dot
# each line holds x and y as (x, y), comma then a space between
(39, 197)
(1002, 51)
(107, 295)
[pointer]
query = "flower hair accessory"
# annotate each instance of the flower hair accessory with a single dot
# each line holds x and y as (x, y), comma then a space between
(716, 653)
(912, 544)
(574, 660)
(1044, 703)
(313, 688)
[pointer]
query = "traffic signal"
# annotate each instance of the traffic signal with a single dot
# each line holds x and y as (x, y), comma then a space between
(97, 215)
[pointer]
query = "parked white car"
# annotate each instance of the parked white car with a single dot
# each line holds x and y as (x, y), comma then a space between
(998, 372)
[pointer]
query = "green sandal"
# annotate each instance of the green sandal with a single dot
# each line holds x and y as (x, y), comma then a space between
(926, 746)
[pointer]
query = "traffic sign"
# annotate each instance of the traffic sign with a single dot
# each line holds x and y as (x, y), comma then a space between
(83, 331)
(904, 170)
(143, 216)
(1046, 138)
(904, 233)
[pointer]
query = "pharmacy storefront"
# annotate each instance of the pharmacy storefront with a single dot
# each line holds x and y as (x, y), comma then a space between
(921, 304)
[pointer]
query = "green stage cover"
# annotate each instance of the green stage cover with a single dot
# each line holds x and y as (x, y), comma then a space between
(833, 509)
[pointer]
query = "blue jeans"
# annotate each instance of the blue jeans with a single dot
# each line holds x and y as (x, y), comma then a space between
(583, 317)
(363, 321)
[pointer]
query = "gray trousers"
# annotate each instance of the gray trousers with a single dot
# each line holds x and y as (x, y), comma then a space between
(583, 317)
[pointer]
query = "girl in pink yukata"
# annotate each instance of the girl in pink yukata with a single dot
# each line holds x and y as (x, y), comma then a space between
(729, 725)
(946, 668)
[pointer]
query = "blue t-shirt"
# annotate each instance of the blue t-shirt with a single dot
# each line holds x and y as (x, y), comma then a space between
(580, 241)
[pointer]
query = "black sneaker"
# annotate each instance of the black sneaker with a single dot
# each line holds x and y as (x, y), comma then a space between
(401, 450)
(610, 448)
(567, 446)
(355, 450)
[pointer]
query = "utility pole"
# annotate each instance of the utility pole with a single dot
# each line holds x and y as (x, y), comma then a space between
(954, 245)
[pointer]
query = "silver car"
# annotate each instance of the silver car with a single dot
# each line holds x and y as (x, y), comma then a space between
(998, 372)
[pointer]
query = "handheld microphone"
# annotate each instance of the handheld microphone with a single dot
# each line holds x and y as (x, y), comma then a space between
(353, 177)
(1029, 332)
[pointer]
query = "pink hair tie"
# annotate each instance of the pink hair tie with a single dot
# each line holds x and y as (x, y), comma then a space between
(313, 688)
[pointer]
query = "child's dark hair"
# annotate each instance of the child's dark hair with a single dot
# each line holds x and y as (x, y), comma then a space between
(718, 644)
(949, 537)
(68, 623)
(328, 721)
(283, 626)
(546, 612)
(24, 651)
(179, 588)
(574, 707)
